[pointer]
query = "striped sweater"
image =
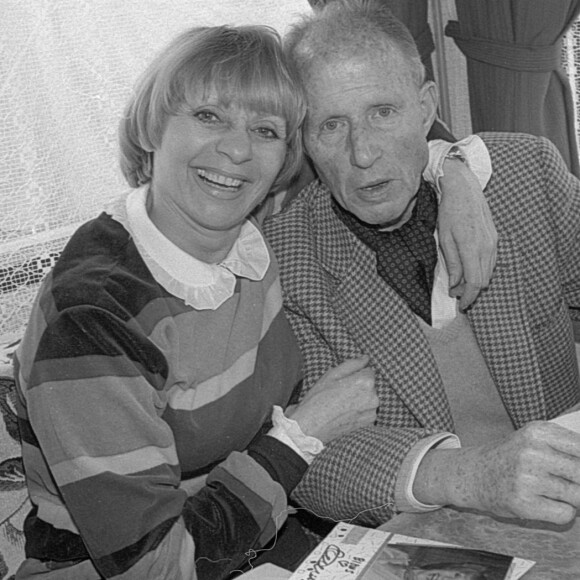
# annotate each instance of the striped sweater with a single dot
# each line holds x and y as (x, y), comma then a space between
(124, 391)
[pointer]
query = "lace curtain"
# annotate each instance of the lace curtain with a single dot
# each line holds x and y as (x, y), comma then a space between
(65, 73)
(571, 59)
(66, 70)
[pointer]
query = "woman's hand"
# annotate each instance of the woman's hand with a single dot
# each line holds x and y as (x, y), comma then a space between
(467, 236)
(344, 399)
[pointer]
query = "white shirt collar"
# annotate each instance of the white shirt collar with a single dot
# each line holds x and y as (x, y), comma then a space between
(201, 285)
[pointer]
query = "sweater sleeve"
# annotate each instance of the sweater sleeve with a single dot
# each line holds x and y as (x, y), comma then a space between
(93, 403)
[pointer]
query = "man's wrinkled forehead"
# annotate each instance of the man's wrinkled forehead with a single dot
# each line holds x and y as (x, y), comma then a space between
(352, 71)
(312, 57)
(383, 54)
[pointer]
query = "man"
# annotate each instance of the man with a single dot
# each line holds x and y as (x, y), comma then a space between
(361, 274)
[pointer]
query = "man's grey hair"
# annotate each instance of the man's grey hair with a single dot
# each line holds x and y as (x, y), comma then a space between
(344, 28)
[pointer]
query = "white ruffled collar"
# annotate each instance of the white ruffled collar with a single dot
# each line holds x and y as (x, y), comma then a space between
(200, 285)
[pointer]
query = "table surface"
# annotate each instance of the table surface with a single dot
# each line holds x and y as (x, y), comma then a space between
(555, 549)
(266, 572)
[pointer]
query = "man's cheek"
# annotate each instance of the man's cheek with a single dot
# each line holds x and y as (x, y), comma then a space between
(329, 169)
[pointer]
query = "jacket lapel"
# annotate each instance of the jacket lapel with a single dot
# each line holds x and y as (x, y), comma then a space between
(381, 323)
(369, 306)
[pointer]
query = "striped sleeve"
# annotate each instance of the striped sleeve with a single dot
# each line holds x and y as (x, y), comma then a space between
(92, 404)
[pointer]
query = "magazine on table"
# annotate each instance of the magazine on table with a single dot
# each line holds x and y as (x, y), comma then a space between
(355, 552)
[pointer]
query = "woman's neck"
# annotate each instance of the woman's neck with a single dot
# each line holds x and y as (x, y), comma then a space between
(209, 246)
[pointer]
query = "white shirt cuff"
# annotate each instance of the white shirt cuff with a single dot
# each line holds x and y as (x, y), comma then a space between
(288, 432)
(406, 501)
(473, 149)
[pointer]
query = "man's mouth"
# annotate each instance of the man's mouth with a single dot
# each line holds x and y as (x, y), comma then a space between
(215, 179)
(374, 186)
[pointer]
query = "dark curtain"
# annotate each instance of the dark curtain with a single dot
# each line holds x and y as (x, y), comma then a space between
(413, 14)
(515, 77)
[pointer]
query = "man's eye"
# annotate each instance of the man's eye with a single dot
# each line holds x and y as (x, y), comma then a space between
(384, 111)
(330, 126)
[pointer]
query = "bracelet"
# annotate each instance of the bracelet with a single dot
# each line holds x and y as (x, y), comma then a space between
(455, 153)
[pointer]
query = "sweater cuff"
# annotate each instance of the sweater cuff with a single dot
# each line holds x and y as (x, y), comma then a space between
(283, 464)
(289, 432)
(404, 498)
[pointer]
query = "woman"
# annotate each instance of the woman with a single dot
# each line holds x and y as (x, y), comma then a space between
(158, 348)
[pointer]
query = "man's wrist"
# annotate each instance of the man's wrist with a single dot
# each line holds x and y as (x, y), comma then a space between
(405, 498)
(444, 478)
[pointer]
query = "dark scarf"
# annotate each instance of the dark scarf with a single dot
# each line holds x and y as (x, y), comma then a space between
(407, 256)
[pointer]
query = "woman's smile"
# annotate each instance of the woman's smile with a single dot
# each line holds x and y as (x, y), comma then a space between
(215, 164)
(219, 180)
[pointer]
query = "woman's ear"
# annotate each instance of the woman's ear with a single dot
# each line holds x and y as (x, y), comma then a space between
(429, 101)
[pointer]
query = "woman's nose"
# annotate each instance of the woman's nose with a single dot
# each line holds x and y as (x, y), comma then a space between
(237, 145)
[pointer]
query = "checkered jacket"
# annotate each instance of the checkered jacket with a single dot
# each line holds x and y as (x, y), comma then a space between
(340, 308)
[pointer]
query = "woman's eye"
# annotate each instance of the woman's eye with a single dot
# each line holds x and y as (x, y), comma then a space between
(206, 116)
(267, 133)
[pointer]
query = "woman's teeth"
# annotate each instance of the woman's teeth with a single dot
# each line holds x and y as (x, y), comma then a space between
(221, 180)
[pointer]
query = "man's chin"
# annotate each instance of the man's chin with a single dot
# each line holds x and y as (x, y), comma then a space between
(380, 220)
(383, 217)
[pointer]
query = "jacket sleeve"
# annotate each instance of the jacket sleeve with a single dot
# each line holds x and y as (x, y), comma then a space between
(563, 193)
(354, 477)
(563, 198)
(94, 402)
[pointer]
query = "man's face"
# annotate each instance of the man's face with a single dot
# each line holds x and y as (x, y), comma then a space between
(366, 131)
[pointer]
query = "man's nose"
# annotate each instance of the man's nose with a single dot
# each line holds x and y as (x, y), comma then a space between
(364, 149)
(237, 145)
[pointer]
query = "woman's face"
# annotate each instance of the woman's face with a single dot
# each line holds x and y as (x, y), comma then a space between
(215, 165)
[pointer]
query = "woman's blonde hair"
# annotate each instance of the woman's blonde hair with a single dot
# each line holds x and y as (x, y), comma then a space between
(245, 65)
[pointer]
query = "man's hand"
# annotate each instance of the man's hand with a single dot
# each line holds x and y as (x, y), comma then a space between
(343, 399)
(467, 235)
(533, 473)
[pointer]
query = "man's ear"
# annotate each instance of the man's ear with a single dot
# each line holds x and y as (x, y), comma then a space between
(429, 101)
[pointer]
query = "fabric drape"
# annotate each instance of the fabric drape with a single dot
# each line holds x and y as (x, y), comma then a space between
(406, 256)
(515, 76)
